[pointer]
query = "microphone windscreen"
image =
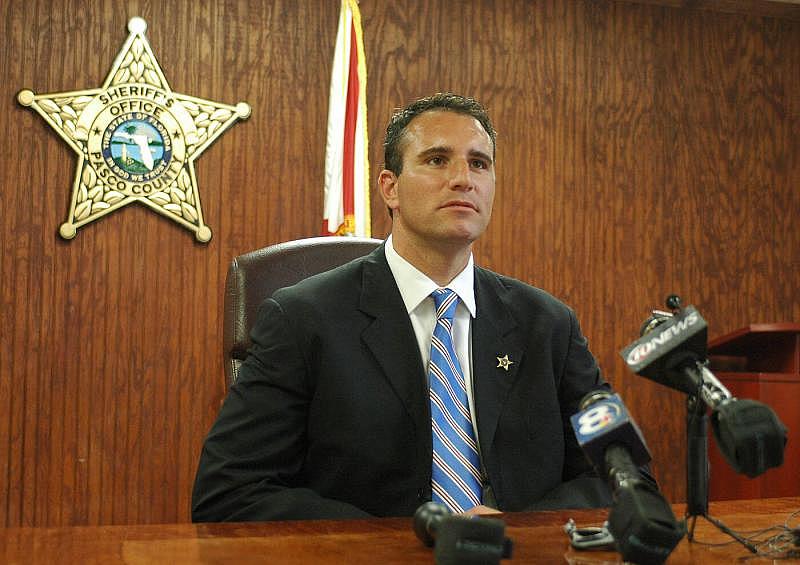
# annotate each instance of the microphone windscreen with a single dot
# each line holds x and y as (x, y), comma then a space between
(643, 524)
(471, 540)
(749, 435)
(427, 519)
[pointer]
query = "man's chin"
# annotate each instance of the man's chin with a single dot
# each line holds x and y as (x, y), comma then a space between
(462, 235)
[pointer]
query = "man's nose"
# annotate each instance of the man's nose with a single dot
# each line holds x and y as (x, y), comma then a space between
(461, 176)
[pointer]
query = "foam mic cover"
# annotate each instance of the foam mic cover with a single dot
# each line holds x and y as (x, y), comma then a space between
(461, 539)
(427, 519)
(643, 525)
(750, 436)
(604, 420)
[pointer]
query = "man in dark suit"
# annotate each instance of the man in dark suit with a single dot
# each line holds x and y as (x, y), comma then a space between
(331, 416)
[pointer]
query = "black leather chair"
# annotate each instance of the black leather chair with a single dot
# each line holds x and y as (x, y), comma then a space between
(254, 276)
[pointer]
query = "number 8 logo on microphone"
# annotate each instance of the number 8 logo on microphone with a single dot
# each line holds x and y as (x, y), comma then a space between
(598, 417)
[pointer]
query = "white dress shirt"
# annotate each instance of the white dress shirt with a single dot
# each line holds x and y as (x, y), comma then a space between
(416, 288)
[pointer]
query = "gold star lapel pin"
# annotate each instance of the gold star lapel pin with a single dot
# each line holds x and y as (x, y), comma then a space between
(136, 140)
(504, 362)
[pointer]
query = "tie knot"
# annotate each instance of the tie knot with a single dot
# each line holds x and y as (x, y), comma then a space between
(446, 301)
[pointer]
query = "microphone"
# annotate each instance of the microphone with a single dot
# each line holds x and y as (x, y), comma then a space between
(749, 433)
(459, 538)
(603, 421)
(670, 343)
(672, 351)
(642, 522)
(750, 436)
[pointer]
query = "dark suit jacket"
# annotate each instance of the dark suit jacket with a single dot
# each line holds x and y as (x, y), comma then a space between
(330, 416)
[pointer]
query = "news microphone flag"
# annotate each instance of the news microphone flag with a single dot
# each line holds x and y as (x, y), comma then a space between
(604, 420)
(346, 160)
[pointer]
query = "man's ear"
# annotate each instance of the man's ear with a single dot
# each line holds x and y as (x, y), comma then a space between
(387, 184)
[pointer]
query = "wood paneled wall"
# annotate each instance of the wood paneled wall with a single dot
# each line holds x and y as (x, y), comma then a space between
(643, 150)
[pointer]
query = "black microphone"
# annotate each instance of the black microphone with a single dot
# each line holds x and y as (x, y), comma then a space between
(750, 436)
(749, 433)
(673, 351)
(669, 344)
(642, 522)
(461, 538)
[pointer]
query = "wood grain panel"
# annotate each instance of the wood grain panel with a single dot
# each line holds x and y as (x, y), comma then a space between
(643, 149)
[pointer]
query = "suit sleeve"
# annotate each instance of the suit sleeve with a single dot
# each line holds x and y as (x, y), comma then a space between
(251, 464)
(580, 487)
(581, 375)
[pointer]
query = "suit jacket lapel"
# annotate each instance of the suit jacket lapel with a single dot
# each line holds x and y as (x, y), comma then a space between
(494, 336)
(390, 337)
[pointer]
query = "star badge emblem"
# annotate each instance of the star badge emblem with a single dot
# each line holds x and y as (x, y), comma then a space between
(504, 362)
(136, 139)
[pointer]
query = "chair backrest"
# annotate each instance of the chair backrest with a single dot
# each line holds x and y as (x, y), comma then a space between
(254, 276)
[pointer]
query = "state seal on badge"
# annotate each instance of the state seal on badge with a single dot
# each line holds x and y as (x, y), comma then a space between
(136, 140)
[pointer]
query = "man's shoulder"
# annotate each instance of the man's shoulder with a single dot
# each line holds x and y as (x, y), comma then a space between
(518, 295)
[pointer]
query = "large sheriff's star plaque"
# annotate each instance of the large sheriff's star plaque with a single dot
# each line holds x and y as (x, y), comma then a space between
(136, 140)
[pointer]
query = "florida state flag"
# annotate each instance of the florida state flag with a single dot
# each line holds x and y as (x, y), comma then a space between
(346, 161)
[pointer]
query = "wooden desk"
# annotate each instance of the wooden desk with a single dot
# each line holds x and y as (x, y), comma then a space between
(538, 538)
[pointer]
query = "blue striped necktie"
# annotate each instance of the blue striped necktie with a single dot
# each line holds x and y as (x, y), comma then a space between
(456, 477)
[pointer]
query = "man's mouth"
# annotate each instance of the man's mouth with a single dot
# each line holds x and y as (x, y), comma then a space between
(460, 204)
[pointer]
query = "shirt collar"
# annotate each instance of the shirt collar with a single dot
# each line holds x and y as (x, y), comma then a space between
(415, 286)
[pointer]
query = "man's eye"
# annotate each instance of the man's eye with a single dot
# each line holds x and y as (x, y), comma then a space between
(435, 160)
(479, 164)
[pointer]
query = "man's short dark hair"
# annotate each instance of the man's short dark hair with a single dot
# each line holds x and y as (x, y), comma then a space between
(446, 101)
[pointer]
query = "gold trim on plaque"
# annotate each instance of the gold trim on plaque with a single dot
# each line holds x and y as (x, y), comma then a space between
(136, 140)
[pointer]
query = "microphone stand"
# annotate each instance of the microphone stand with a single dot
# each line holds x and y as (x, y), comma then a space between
(697, 471)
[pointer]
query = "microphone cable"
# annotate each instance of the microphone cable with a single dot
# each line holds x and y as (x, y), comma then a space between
(783, 544)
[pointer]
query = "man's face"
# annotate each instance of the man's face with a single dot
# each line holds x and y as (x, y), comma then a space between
(445, 191)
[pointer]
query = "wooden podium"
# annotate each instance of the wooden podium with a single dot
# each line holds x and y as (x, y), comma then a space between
(760, 362)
